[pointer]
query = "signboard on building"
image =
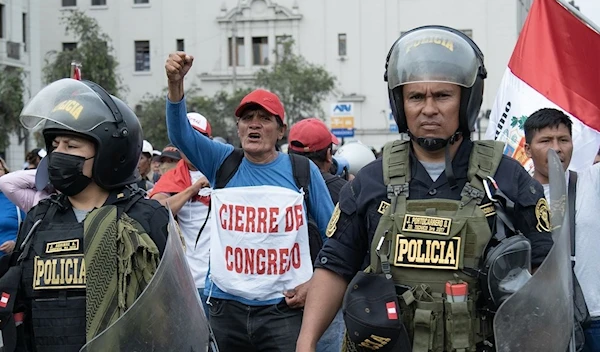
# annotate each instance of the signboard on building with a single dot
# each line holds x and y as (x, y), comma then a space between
(342, 119)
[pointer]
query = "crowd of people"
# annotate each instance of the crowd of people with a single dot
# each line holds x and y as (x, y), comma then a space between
(319, 247)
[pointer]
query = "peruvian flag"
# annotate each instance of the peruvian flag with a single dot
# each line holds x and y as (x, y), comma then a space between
(555, 64)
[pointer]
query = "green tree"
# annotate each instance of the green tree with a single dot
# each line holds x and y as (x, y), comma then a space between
(11, 102)
(94, 52)
(301, 86)
(218, 109)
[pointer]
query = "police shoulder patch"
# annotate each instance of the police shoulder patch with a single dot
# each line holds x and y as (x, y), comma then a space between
(542, 214)
(332, 225)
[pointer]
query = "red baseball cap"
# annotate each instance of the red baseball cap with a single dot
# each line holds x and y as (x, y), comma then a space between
(310, 135)
(199, 123)
(267, 100)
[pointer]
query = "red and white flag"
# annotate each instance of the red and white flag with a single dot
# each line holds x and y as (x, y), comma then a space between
(76, 71)
(555, 64)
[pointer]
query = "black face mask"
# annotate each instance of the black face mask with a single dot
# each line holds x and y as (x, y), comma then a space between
(65, 172)
(433, 144)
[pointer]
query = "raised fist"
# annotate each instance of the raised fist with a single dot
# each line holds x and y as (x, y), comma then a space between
(177, 66)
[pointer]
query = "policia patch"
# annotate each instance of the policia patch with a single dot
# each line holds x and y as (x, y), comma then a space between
(542, 214)
(332, 225)
(427, 254)
(59, 272)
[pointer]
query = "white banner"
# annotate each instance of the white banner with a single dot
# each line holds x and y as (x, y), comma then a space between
(259, 243)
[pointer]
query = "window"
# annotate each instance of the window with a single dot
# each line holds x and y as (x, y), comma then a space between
(260, 51)
(66, 3)
(24, 24)
(141, 1)
(280, 45)
(142, 55)
(98, 2)
(1, 21)
(240, 57)
(342, 44)
(69, 46)
(180, 45)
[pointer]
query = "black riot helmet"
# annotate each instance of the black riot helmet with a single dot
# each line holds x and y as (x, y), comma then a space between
(436, 54)
(84, 109)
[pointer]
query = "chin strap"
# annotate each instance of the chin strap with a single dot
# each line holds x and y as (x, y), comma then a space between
(434, 144)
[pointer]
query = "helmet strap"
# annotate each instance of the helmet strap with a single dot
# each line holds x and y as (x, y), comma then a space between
(434, 144)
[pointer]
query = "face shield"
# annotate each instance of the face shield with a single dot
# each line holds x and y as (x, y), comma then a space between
(432, 55)
(69, 104)
(508, 268)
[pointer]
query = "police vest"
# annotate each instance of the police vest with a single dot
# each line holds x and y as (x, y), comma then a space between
(425, 244)
(53, 280)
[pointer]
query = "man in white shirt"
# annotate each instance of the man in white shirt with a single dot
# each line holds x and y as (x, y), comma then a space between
(185, 190)
(550, 128)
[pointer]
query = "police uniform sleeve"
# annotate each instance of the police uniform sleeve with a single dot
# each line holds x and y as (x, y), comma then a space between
(533, 217)
(347, 246)
(158, 228)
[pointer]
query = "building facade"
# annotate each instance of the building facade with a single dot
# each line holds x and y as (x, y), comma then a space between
(232, 39)
(19, 48)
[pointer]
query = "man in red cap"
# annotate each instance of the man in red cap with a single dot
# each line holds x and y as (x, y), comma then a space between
(260, 258)
(312, 139)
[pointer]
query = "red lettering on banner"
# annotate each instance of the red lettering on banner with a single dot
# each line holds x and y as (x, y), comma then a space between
(228, 254)
(299, 219)
(262, 261)
(262, 220)
(239, 210)
(273, 213)
(272, 262)
(289, 219)
(249, 267)
(284, 254)
(239, 262)
(261, 267)
(222, 210)
(296, 256)
(250, 219)
(259, 220)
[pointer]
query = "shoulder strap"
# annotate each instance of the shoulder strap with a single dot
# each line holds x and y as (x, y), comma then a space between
(483, 162)
(572, 194)
(228, 168)
(301, 172)
(396, 168)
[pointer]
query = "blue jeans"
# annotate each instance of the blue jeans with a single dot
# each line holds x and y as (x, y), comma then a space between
(332, 339)
(592, 337)
(203, 298)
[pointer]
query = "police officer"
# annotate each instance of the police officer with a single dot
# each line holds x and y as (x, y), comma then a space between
(424, 215)
(85, 255)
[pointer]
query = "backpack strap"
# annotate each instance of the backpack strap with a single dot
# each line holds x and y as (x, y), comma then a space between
(228, 168)
(572, 194)
(483, 162)
(301, 172)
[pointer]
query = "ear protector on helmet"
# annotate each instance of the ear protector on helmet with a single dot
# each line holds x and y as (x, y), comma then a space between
(471, 98)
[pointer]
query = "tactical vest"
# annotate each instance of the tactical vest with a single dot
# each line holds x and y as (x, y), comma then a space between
(53, 280)
(425, 244)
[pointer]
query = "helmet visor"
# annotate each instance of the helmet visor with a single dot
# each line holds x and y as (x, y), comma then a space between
(69, 103)
(510, 270)
(432, 55)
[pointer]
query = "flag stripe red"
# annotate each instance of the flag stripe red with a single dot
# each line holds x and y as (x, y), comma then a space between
(559, 56)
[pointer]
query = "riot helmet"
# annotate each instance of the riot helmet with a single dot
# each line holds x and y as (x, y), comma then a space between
(356, 154)
(84, 109)
(436, 54)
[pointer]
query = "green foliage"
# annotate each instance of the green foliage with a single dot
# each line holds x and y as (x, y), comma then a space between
(94, 52)
(219, 110)
(301, 86)
(11, 102)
